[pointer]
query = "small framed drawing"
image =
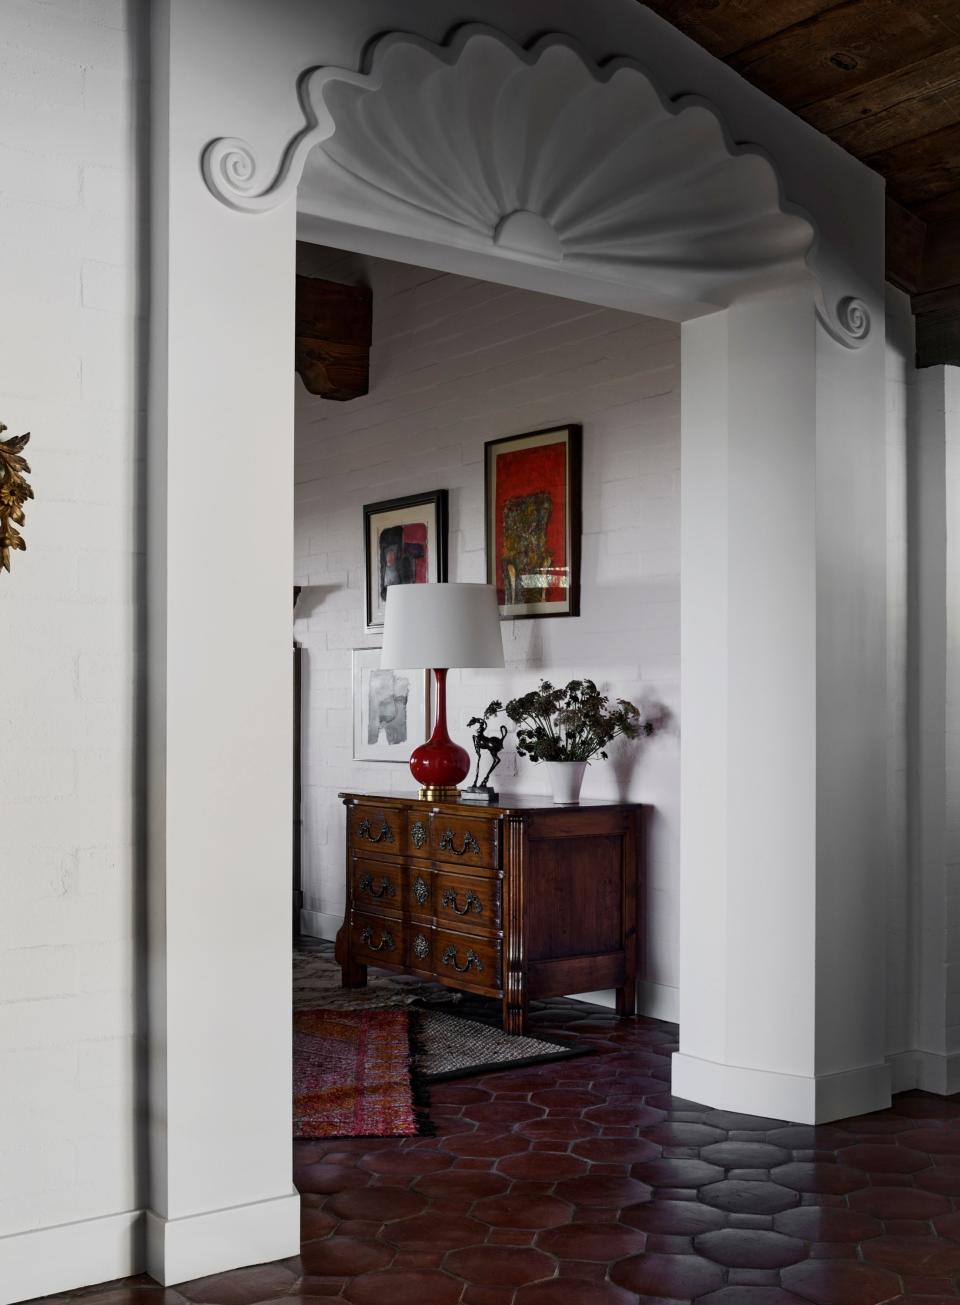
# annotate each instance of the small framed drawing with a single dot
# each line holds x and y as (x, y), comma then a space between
(391, 709)
(532, 493)
(405, 543)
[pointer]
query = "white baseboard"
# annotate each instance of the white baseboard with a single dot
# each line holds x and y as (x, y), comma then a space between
(656, 1001)
(70, 1255)
(931, 1071)
(805, 1100)
(178, 1250)
(320, 924)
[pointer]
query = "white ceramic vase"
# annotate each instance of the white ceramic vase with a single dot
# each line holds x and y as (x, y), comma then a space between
(566, 778)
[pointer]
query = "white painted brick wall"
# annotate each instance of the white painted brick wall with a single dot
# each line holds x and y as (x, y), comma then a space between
(68, 660)
(456, 362)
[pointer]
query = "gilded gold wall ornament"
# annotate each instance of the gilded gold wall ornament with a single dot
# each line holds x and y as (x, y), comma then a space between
(14, 492)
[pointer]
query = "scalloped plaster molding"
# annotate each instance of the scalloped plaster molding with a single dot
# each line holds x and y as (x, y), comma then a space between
(542, 155)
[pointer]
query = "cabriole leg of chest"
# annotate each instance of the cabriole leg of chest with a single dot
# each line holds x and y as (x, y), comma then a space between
(514, 984)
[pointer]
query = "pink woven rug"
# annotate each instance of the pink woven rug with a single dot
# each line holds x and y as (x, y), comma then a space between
(353, 1075)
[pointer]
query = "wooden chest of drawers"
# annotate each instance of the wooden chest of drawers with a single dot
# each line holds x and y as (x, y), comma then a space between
(522, 899)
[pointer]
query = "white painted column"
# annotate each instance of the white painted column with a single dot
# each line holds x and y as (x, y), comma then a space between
(934, 721)
(221, 507)
(783, 683)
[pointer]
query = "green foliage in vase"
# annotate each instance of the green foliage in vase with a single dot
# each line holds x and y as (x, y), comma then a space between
(574, 723)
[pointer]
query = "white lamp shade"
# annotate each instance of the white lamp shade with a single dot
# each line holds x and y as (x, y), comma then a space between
(441, 625)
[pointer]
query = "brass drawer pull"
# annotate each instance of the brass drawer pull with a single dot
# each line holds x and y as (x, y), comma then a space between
(473, 960)
(385, 834)
(383, 889)
(386, 943)
(470, 844)
(471, 902)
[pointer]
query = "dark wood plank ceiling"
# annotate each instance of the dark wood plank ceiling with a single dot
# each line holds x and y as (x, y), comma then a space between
(882, 79)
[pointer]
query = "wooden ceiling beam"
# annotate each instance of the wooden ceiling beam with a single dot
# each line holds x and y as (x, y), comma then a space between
(906, 96)
(334, 328)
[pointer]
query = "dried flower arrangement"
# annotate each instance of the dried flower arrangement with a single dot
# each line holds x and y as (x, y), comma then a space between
(574, 723)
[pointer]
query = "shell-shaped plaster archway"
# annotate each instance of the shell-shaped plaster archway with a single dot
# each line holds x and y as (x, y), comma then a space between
(540, 155)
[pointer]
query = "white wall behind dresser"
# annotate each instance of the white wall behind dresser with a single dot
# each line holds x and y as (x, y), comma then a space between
(456, 362)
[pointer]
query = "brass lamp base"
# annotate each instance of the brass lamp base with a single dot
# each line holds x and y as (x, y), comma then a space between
(440, 793)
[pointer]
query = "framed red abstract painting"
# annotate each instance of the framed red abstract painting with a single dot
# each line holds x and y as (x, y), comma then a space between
(405, 543)
(532, 485)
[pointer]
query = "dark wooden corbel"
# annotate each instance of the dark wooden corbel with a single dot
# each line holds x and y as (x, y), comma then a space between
(333, 333)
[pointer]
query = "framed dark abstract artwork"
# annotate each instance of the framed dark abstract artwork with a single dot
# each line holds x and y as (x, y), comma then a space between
(405, 541)
(532, 486)
(391, 709)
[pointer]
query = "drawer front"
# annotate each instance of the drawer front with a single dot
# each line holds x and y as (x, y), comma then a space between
(421, 948)
(468, 959)
(380, 828)
(465, 841)
(377, 939)
(417, 840)
(463, 898)
(419, 892)
(376, 885)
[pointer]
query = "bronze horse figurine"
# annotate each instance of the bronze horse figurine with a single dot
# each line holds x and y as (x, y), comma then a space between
(484, 742)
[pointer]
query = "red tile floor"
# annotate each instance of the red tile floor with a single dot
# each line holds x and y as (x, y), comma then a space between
(586, 1183)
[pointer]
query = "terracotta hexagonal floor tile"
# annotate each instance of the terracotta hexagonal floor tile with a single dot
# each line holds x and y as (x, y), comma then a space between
(876, 1158)
(677, 1277)
(322, 1179)
(518, 1211)
(730, 1120)
(404, 1164)
(809, 1137)
(840, 1282)
(823, 1223)
(744, 1155)
(743, 1196)
(485, 1146)
(503, 1112)
(240, 1286)
(344, 1257)
(566, 1291)
(944, 1179)
(749, 1248)
(377, 1203)
(672, 1218)
(929, 1257)
(616, 1150)
(899, 1202)
(500, 1266)
(404, 1287)
(602, 1189)
(936, 1141)
(460, 1183)
(562, 1096)
(676, 1173)
(827, 1179)
(559, 1130)
(545, 1166)
(747, 1295)
(677, 1133)
(591, 1241)
(436, 1230)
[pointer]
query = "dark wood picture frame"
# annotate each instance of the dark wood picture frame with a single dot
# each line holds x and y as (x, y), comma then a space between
(572, 436)
(435, 501)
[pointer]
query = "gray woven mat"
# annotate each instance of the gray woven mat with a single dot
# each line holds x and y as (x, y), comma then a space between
(450, 1046)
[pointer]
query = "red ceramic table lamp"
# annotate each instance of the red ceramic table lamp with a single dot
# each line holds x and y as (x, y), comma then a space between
(438, 627)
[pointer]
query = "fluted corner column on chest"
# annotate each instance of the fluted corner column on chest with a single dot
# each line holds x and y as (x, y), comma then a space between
(519, 900)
